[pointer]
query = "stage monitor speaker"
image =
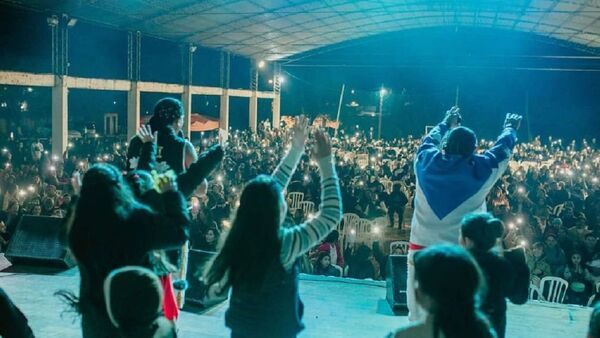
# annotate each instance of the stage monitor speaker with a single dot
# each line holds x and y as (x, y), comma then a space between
(396, 283)
(196, 291)
(40, 240)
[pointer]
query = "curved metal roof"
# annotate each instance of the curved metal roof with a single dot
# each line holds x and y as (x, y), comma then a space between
(274, 29)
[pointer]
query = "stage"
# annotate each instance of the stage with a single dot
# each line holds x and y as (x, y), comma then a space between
(334, 308)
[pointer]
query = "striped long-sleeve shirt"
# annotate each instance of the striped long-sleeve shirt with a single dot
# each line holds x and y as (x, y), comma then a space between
(298, 239)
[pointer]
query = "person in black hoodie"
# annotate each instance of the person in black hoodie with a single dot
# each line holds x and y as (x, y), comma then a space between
(173, 152)
(506, 273)
(164, 264)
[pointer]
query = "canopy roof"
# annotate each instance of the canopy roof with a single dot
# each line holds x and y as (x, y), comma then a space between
(275, 29)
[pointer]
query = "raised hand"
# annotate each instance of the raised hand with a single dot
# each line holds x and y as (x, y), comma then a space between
(322, 144)
(300, 132)
(513, 121)
(145, 134)
(76, 182)
(453, 117)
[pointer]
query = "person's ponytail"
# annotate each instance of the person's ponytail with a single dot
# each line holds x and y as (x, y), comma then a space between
(482, 229)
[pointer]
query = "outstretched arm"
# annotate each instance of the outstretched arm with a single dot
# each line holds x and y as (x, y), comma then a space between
(287, 166)
(499, 154)
(434, 138)
(297, 240)
(199, 170)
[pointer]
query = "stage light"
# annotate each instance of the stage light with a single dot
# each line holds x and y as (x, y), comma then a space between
(281, 79)
(270, 81)
(306, 178)
(383, 92)
(519, 220)
(523, 243)
(511, 225)
(220, 178)
(52, 168)
(31, 188)
(81, 164)
(4, 150)
(595, 179)
(376, 230)
(352, 232)
(70, 145)
(521, 190)
(261, 64)
(72, 22)
(29, 89)
(54, 158)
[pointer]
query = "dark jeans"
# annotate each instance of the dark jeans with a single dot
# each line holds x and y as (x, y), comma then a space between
(396, 209)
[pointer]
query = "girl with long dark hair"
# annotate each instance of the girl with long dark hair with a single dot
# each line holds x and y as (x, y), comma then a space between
(258, 258)
(447, 285)
(506, 273)
(110, 229)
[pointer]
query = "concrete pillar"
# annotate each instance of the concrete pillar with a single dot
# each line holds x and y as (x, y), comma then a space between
(186, 100)
(276, 108)
(133, 110)
(60, 115)
(224, 116)
(253, 111)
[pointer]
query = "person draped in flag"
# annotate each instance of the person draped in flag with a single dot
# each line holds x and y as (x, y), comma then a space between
(452, 181)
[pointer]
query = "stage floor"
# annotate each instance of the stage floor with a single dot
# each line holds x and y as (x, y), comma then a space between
(333, 309)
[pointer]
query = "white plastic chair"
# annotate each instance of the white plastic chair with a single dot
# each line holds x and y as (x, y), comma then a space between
(558, 210)
(307, 207)
(349, 221)
(403, 246)
(535, 293)
(363, 226)
(593, 297)
(556, 289)
(295, 198)
(339, 268)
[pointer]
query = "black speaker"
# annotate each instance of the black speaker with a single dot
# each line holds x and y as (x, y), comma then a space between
(40, 240)
(196, 291)
(396, 283)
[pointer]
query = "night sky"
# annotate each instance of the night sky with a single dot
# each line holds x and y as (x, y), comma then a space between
(497, 72)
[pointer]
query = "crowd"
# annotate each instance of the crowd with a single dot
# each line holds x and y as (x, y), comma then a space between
(549, 197)
(545, 203)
